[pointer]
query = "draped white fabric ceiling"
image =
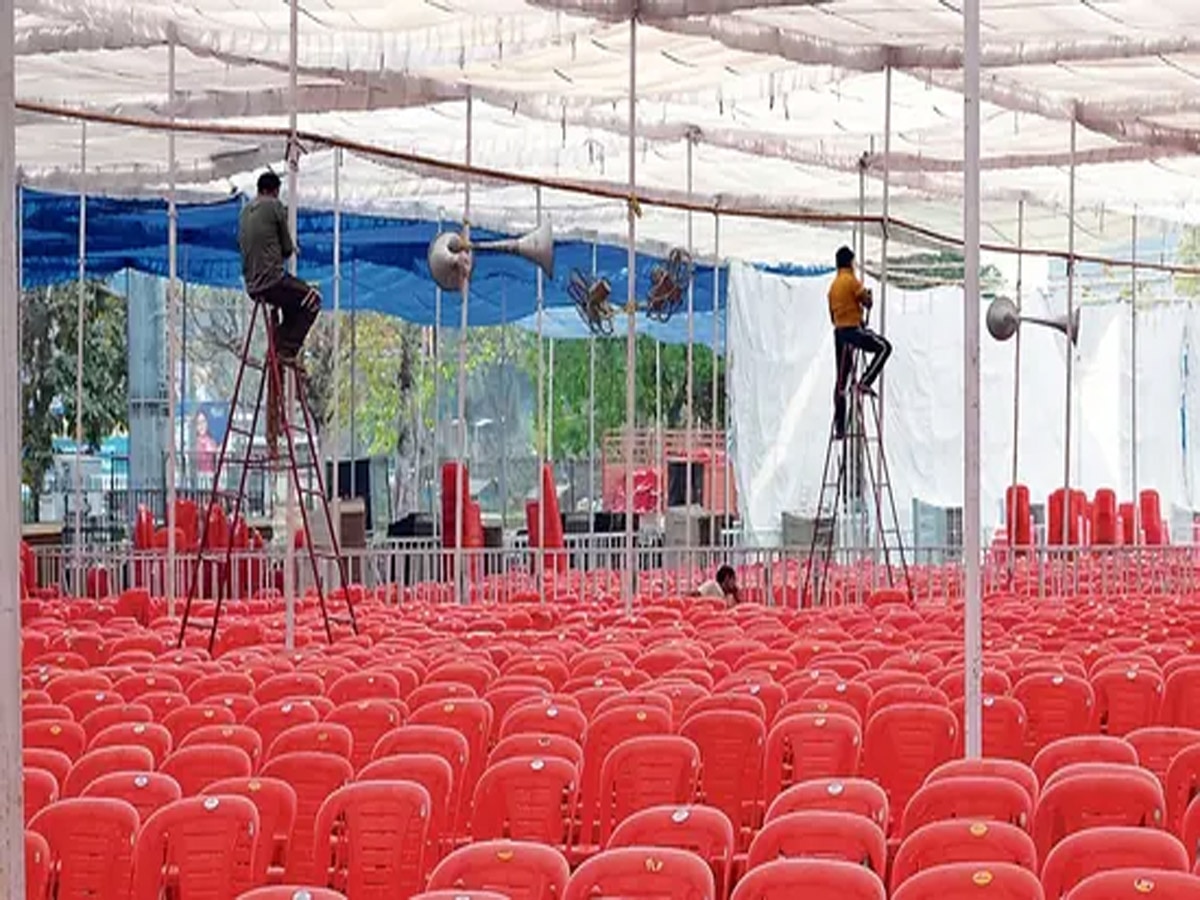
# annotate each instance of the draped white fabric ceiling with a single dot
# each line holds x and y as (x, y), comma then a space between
(785, 102)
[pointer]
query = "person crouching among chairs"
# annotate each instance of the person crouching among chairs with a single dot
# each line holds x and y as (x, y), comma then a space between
(266, 245)
(849, 303)
(721, 587)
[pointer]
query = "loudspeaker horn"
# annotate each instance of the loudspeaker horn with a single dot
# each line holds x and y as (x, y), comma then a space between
(450, 255)
(1003, 320)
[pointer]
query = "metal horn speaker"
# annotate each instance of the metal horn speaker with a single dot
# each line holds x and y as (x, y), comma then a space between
(450, 255)
(1003, 320)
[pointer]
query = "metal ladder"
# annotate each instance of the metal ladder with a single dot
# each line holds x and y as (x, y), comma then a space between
(855, 475)
(273, 381)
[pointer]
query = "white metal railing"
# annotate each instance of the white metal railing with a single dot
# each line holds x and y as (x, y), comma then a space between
(590, 566)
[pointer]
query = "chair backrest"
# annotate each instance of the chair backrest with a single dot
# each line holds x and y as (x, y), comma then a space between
(652, 770)
(537, 745)
(544, 718)
(111, 714)
(906, 693)
(37, 866)
(903, 743)
(381, 832)
(1086, 801)
(810, 745)
(966, 881)
(272, 719)
(147, 792)
(367, 721)
(1011, 769)
(197, 767)
(430, 771)
(702, 830)
(856, 795)
(152, 736)
(526, 799)
(962, 840)
(812, 879)
(40, 790)
(289, 686)
(53, 734)
(1082, 748)
(182, 720)
(196, 841)
(518, 870)
(731, 747)
(1103, 848)
(313, 737)
(91, 845)
(313, 776)
(275, 801)
(104, 760)
(821, 834)
(968, 797)
(1057, 704)
(1127, 698)
(472, 718)
(661, 873)
(1157, 746)
(55, 762)
(1183, 783)
(241, 736)
(1136, 883)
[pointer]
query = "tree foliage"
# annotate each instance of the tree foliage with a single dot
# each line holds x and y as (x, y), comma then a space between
(1189, 255)
(49, 325)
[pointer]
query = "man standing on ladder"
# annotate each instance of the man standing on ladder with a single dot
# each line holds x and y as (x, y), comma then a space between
(266, 245)
(849, 304)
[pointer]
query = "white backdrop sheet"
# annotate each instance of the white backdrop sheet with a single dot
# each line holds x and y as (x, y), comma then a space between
(781, 388)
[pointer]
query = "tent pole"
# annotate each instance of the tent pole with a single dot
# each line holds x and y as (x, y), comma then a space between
(716, 363)
(1133, 379)
(550, 404)
(629, 581)
(293, 207)
(80, 299)
(1011, 505)
(1070, 350)
(436, 498)
(592, 424)
(883, 288)
(660, 450)
(689, 411)
(973, 606)
(12, 823)
(539, 551)
(335, 488)
(172, 294)
(460, 500)
(506, 382)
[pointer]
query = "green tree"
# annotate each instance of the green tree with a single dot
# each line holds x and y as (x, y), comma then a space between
(1189, 255)
(48, 368)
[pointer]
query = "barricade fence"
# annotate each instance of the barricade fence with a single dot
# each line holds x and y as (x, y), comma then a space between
(590, 567)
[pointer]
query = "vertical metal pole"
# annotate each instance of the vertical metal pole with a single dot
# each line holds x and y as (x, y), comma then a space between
(506, 382)
(973, 606)
(460, 579)
(689, 414)
(172, 294)
(550, 405)
(629, 579)
(437, 404)
(883, 285)
(183, 369)
(12, 823)
(293, 207)
(81, 297)
(660, 450)
(335, 488)
(716, 361)
(592, 423)
(1133, 379)
(1011, 507)
(539, 551)
(1070, 350)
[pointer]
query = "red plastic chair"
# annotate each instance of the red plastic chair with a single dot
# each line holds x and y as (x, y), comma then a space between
(903, 744)
(459, 895)
(1189, 830)
(47, 734)
(1093, 748)
(313, 776)
(856, 795)
(53, 711)
(183, 720)
(147, 792)
(316, 737)
(291, 892)
(548, 718)
(272, 719)
(91, 846)
(726, 702)
(537, 745)
(1057, 705)
(1183, 783)
(809, 745)
(1103, 798)
(1157, 746)
(289, 686)
(99, 719)
(641, 772)
(104, 761)
(241, 736)
(814, 705)
(218, 684)
(364, 686)
(968, 797)
(150, 735)
(1102, 849)
(1133, 884)
(925, 694)
(381, 828)
(37, 866)
(812, 879)
(1004, 726)
(702, 830)
(515, 869)
(962, 841)
(40, 788)
(1011, 769)
(83, 703)
(434, 774)
(195, 768)
(605, 732)
(367, 721)
(448, 743)
(1127, 699)
(473, 720)
(856, 694)
(972, 880)
(193, 844)
(661, 873)
(55, 762)
(275, 801)
(1181, 698)
(821, 834)
(526, 799)
(731, 750)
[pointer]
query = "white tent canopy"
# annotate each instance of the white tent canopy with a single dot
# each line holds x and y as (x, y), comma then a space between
(785, 104)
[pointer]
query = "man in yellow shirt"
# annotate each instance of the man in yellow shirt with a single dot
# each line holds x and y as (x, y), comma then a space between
(849, 302)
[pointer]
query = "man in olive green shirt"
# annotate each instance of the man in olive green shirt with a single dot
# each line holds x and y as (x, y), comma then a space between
(266, 244)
